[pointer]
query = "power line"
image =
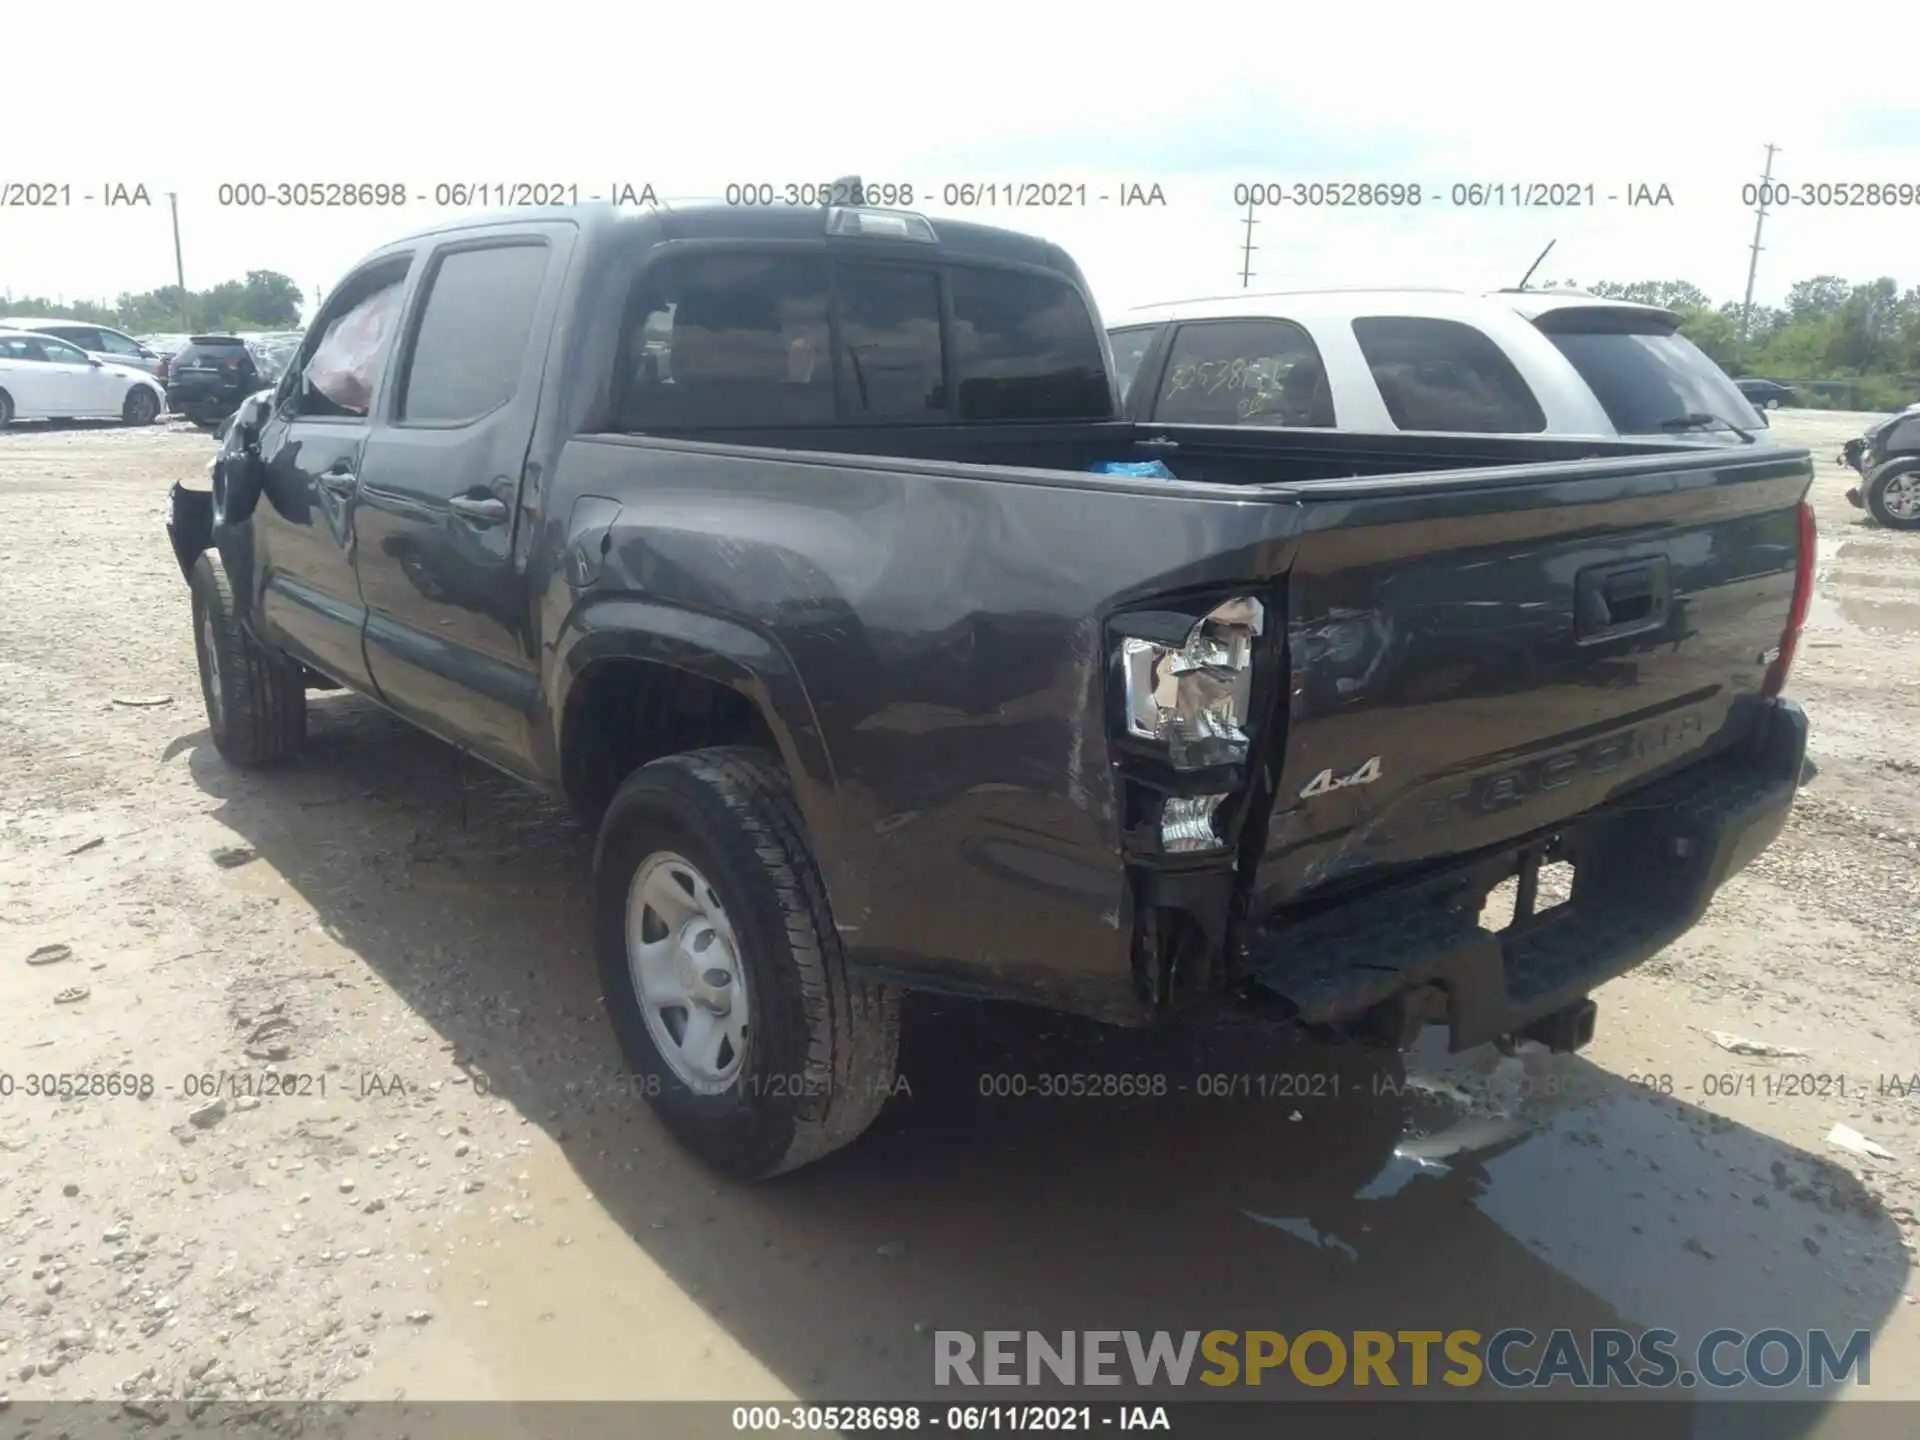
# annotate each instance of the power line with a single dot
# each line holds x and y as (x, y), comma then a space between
(1753, 260)
(1247, 247)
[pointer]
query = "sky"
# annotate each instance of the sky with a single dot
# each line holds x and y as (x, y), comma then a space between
(1196, 99)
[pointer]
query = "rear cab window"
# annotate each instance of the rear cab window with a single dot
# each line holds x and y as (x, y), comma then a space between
(1244, 372)
(213, 352)
(1646, 375)
(742, 339)
(1443, 375)
(1026, 348)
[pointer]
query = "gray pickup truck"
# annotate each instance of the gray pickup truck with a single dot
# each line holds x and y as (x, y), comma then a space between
(806, 554)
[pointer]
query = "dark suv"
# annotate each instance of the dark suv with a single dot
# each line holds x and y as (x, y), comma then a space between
(207, 380)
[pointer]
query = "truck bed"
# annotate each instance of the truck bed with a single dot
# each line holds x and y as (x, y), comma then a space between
(942, 609)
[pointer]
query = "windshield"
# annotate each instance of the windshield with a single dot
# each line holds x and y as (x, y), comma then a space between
(1645, 381)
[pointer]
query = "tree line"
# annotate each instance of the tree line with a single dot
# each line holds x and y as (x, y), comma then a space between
(1843, 344)
(265, 300)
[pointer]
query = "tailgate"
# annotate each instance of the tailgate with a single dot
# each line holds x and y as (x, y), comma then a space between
(1481, 657)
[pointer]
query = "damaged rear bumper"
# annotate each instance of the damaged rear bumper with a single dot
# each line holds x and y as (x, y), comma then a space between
(1646, 866)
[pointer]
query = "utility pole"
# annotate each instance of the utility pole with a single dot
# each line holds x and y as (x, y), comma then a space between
(179, 269)
(1753, 261)
(1247, 247)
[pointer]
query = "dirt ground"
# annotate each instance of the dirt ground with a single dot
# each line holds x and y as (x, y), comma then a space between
(447, 1193)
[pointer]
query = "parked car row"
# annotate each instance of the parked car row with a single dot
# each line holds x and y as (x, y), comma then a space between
(203, 377)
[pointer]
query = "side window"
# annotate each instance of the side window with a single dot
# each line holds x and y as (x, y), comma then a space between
(19, 347)
(890, 335)
(1026, 348)
(341, 361)
(61, 353)
(1129, 349)
(1443, 375)
(727, 340)
(82, 336)
(1244, 372)
(471, 341)
(115, 344)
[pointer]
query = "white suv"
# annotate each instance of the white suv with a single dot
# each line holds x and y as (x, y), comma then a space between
(1509, 362)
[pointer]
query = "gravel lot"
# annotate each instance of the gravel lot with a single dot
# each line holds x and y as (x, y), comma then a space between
(447, 1194)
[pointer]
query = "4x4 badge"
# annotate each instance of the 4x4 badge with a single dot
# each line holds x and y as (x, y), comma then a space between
(1325, 783)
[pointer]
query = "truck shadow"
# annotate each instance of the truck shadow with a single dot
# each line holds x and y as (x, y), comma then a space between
(1248, 1187)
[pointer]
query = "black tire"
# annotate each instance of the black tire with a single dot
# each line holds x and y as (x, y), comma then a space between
(6, 409)
(140, 408)
(256, 700)
(1905, 470)
(820, 1052)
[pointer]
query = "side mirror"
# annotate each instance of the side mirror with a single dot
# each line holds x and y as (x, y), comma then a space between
(94, 361)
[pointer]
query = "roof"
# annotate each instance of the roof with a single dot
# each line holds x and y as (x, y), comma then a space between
(1427, 302)
(712, 220)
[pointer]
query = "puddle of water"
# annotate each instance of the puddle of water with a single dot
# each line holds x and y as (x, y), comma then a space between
(1893, 612)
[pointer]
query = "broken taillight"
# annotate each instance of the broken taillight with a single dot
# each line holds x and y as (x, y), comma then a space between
(1776, 680)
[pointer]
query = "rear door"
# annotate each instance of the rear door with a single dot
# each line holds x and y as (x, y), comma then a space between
(1479, 655)
(449, 628)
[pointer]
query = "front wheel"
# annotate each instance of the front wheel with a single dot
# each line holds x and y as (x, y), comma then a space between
(6, 409)
(142, 407)
(1774, 403)
(256, 700)
(722, 969)
(1893, 494)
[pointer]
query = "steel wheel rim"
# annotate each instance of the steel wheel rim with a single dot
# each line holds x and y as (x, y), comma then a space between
(216, 701)
(143, 410)
(686, 972)
(1901, 496)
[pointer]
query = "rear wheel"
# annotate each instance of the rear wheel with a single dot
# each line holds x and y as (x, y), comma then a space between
(141, 408)
(1774, 403)
(722, 969)
(1893, 494)
(256, 700)
(6, 409)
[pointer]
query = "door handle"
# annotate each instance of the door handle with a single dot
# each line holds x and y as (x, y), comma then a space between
(340, 482)
(480, 510)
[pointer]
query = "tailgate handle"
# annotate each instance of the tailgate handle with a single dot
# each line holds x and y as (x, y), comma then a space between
(1615, 600)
